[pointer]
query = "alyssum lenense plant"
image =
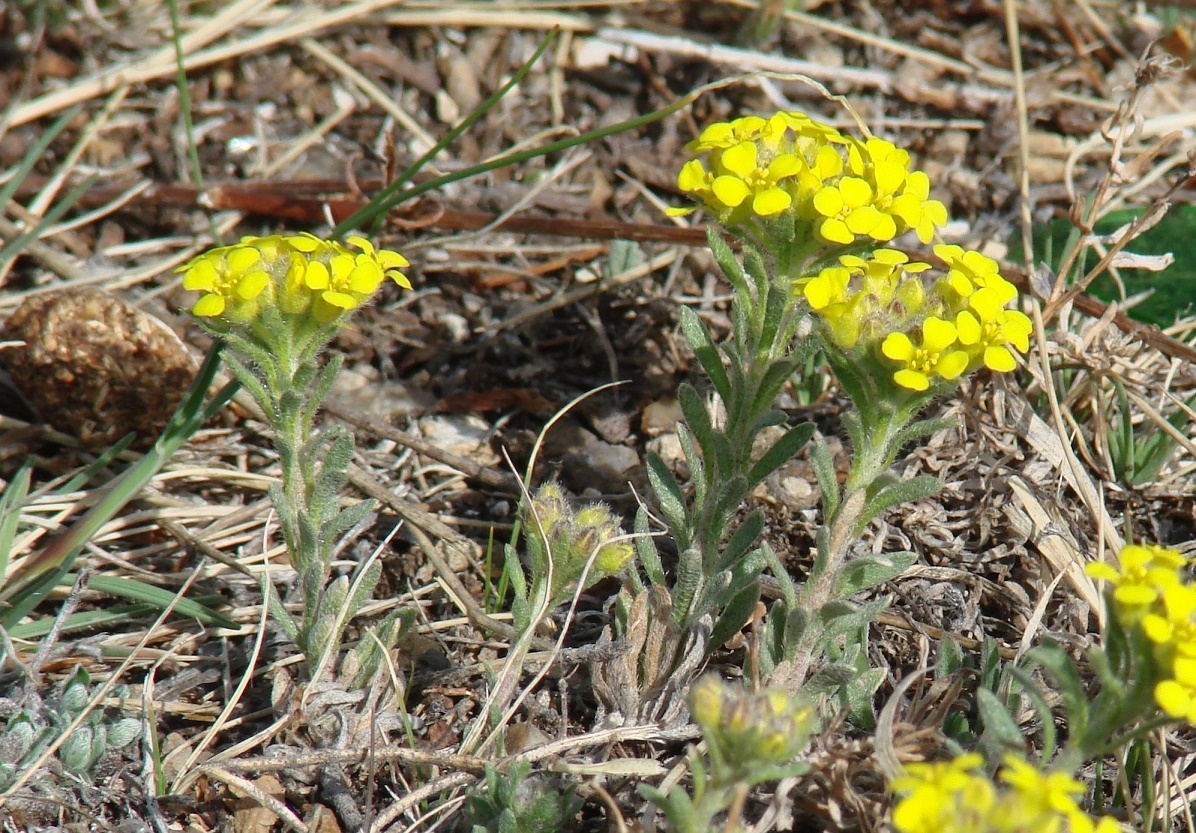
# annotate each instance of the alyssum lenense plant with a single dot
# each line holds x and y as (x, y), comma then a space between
(1142, 679)
(277, 301)
(812, 208)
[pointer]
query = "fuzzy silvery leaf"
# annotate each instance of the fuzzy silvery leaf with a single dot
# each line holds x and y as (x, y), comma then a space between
(950, 659)
(840, 617)
(997, 722)
(123, 732)
(830, 678)
(74, 699)
(334, 598)
(320, 637)
(18, 737)
(622, 257)
(735, 615)
(706, 352)
(668, 493)
(781, 452)
(332, 475)
(905, 491)
(690, 572)
(347, 518)
(1062, 670)
(645, 547)
(677, 806)
(76, 751)
(725, 258)
(857, 696)
(697, 417)
(696, 462)
(824, 473)
(744, 537)
(866, 572)
(324, 381)
(767, 420)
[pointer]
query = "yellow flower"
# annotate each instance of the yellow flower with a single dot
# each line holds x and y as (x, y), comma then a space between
(955, 797)
(934, 357)
(986, 329)
(915, 208)
(943, 796)
(969, 271)
(828, 295)
(1177, 696)
(232, 279)
(848, 212)
(1041, 792)
(742, 176)
(299, 273)
(723, 135)
(899, 192)
(1145, 572)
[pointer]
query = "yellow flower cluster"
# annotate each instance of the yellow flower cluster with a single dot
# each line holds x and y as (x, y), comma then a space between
(957, 797)
(750, 731)
(792, 167)
(1151, 593)
(931, 336)
(299, 274)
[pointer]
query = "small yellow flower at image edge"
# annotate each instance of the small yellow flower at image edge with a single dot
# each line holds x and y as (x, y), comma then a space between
(299, 274)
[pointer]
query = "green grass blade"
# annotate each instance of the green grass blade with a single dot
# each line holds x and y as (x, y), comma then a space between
(156, 597)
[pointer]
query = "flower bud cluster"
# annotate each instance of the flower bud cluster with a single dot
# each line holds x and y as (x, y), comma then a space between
(562, 540)
(880, 304)
(748, 731)
(958, 797)
(298, 274)
(1150, 592)
(790, 170)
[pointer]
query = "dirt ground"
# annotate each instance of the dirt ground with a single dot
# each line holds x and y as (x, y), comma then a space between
(534, 284)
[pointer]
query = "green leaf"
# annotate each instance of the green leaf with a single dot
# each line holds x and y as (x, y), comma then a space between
(621, 257)
(839, 617)
(778, 373)
(705, 351)
(866, 572)
(11, 501)
(1055, 661)
(950, 659)
(744, 537)
(782, 451)
(690, 573)
(362, 589)
(997, 721)
(781, 574)
(919, 429)
(159, 598)
(278, 610)
(824, 473)
(726, 260)
(858, 694)
(348, 518)
(645, 547)
(1045, 716)
(768, 420)
(735, 615)
(697, 418)
(668, 493)
(904, 491)
(830, 678)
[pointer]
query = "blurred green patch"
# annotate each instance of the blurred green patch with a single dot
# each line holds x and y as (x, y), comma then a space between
(1174, 288)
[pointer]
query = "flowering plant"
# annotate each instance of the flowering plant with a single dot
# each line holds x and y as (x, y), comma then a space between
(816, 212)
(277, 301)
